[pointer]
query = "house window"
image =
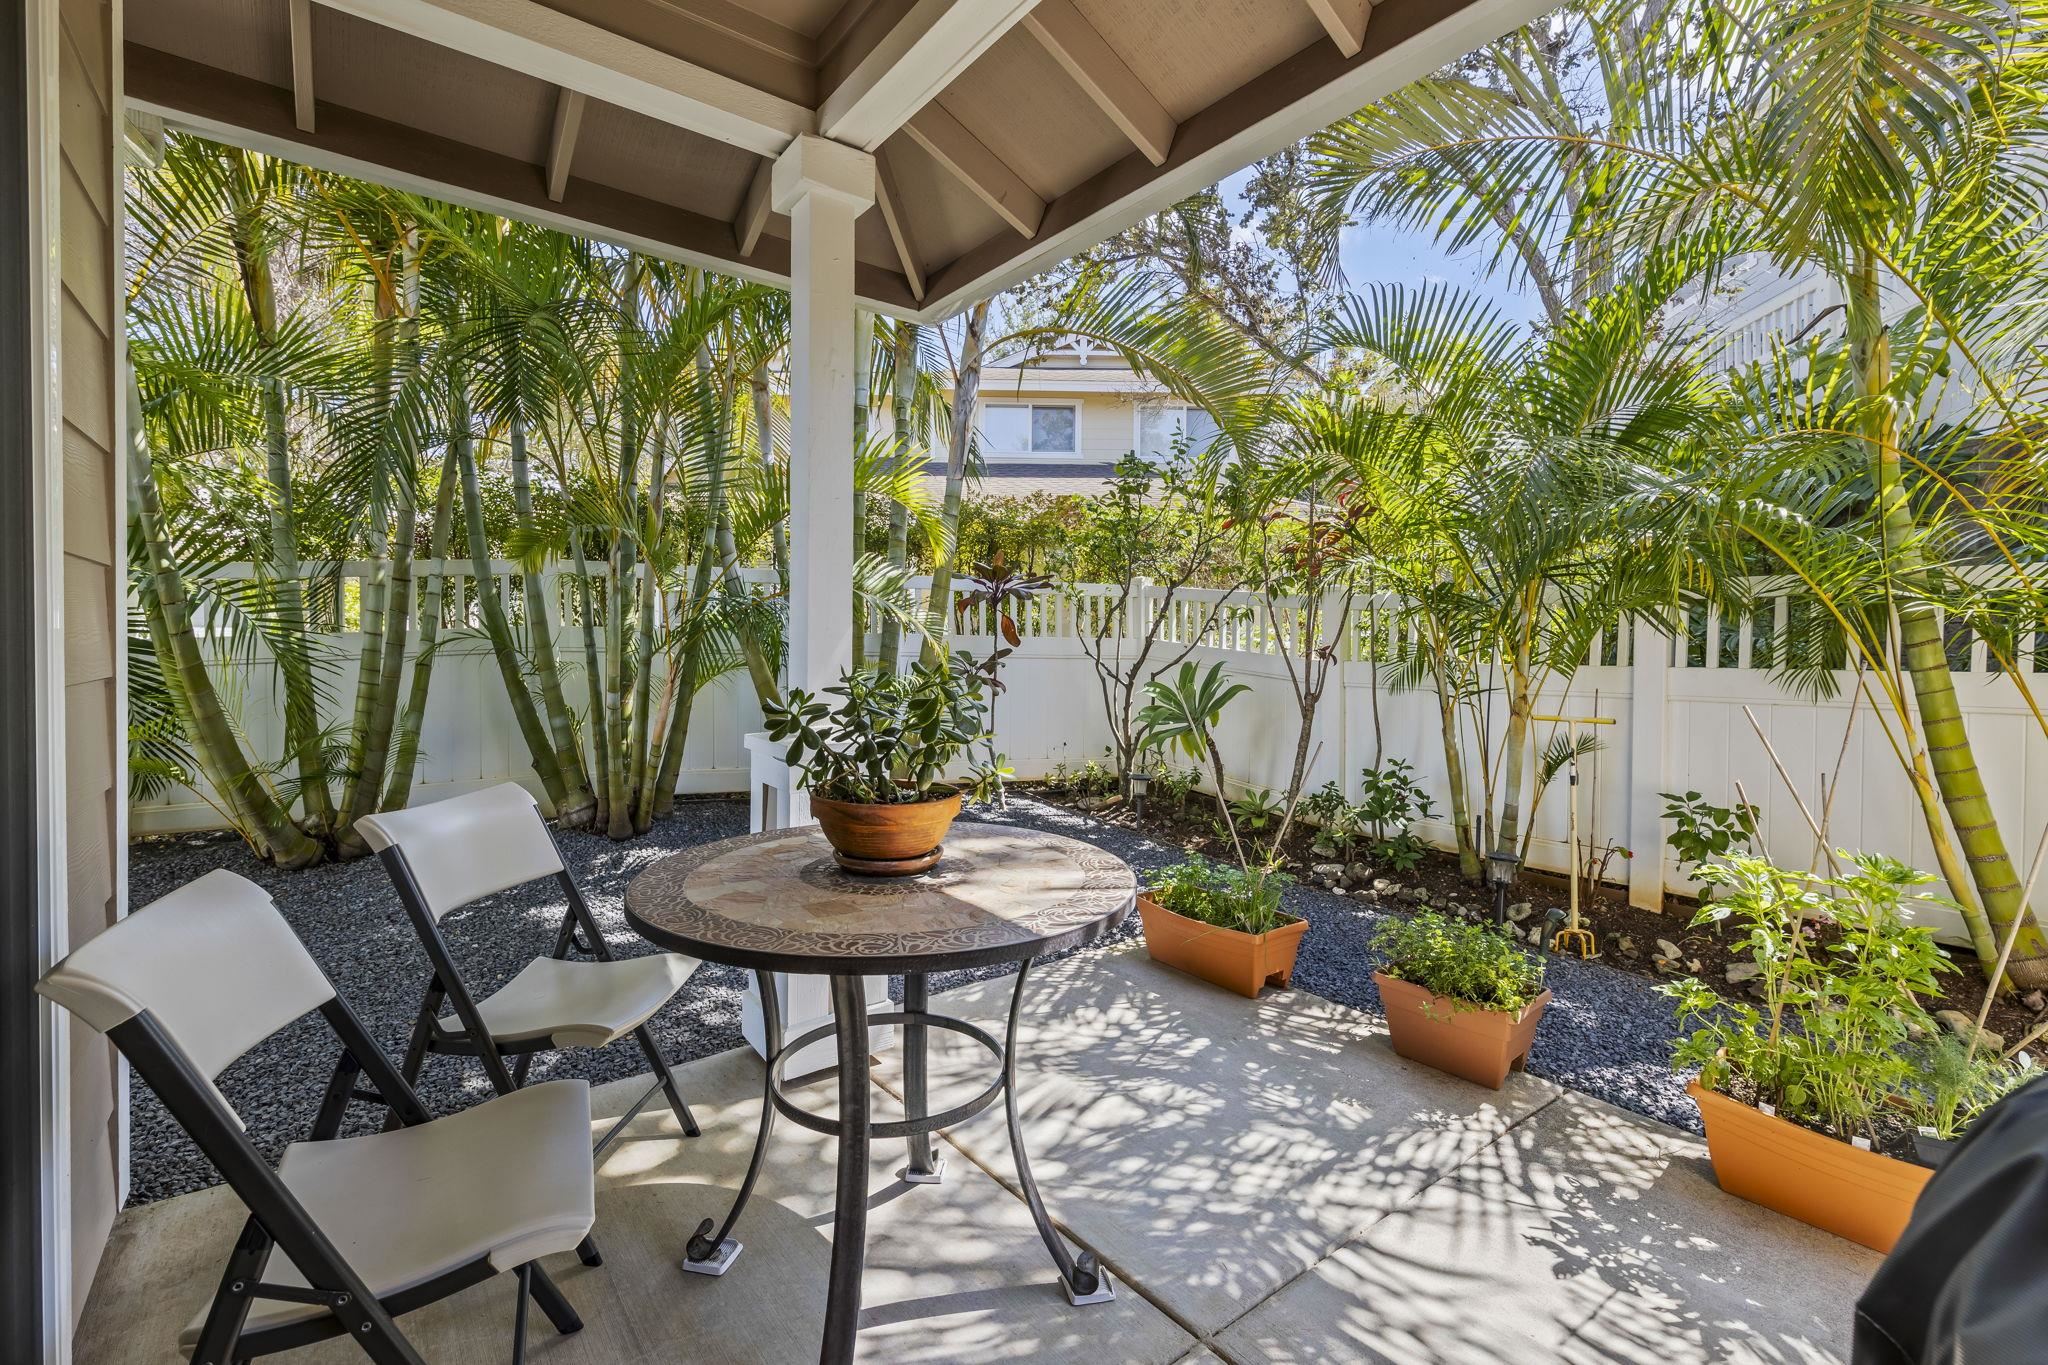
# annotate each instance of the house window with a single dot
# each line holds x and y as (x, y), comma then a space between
(1160, 423)
(1024, 430)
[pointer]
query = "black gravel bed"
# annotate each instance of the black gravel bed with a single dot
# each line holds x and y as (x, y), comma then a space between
(1606, 1033)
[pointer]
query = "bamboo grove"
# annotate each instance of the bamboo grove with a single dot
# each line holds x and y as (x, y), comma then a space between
(328, 375)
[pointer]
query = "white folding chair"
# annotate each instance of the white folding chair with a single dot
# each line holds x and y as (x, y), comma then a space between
(453, 853)
(345, 1234)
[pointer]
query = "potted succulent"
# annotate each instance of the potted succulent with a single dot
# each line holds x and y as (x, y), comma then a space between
(1463, 998)
(1222, 924)
(874, 760)
(1807, 1092)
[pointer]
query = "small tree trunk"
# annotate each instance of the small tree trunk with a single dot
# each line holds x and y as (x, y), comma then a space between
(398, 791)
(863, 381)
(538, 746)
(966, 392)
(1992, 876)
(577, 803)
(764, 440)
(601, 738)
(267, 824)
(899, 516)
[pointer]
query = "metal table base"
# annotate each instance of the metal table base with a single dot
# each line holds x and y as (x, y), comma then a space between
(712, 1249)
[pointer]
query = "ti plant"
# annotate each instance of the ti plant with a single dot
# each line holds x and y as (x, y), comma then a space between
(1004, 591)
(889, 738)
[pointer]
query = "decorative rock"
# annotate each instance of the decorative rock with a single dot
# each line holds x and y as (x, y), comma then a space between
(1359, 873)
(1667, 950)
(1964, 1026)
(1520, 911)
(1414, 895)
(1383, 886)
(2035, 1001)
(1625, 945)
(1326, 874)
(1739, 972)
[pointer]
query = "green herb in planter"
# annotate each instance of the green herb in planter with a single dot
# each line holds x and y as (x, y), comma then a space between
(1831, 1045)
(1958, 1084)
(888, 738)
(1229, 897)
(1474, 964)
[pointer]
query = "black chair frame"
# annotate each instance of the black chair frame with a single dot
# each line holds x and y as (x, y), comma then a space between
(578, 933)
(276, 1217)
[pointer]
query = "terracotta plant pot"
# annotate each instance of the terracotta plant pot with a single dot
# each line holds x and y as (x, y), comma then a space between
(1229, 958)
(897, 833)
(1825, 1183)
(1479, 1045)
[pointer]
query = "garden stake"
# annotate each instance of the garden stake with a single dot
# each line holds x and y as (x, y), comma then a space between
(1574, 935)
(2012, 935)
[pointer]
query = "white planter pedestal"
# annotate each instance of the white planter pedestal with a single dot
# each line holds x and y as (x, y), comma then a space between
(805, 1001)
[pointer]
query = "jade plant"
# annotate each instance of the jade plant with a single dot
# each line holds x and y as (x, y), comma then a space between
(1227, 897)
(1834, 1040)
(889, 738)
(1473, 965)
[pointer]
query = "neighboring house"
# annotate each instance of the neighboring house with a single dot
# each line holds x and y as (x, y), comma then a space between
(1754, 307)
(1059, 420)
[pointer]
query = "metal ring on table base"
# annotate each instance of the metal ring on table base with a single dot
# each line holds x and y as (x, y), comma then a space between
(907, 1127)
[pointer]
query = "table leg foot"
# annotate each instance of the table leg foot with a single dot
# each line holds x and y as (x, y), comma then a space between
(910, 1175)
(1105, 1288)
(721, 1258)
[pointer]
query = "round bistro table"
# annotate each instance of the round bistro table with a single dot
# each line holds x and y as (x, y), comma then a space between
(777, 902)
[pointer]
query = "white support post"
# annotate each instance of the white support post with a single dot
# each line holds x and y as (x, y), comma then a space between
(823, 186)
(1649, 678)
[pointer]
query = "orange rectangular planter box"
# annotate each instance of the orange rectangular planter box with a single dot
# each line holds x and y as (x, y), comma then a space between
(1824, 1182)
(1229, 958)
(1480, 1045)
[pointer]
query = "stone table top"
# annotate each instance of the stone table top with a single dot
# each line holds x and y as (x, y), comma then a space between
(778, 901)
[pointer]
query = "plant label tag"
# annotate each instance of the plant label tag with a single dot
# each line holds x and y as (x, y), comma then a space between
(1769, 1111)
(1927, 1131)
(1861, 1144)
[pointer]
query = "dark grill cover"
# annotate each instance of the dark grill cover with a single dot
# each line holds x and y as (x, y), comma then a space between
(1968, 1283)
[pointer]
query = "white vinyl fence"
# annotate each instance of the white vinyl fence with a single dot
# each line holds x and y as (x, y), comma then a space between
(1677, 707)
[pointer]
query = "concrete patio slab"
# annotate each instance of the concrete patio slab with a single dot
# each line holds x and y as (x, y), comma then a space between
(1584, 1235)
(1268, 1182)
(1209, 1147)
(954, 1272)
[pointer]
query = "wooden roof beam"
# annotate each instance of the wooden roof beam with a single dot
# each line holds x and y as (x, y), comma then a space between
(562, 141)
(1094, 65)
(899, 56)
(970, 161)
(302, 64)
(555, 47)
(1344, 21)
(890, 201)
(747, 228)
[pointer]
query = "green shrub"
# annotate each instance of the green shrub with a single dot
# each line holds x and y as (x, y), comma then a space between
(1228, 897)
(1475, 964)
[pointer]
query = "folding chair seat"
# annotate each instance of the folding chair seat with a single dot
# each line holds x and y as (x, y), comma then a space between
(344, 1234)
(453, 853)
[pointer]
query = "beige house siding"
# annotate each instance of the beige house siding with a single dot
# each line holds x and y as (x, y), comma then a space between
(92, 584)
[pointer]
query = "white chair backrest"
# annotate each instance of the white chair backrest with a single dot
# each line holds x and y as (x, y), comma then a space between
(214, 962)
(467, 847)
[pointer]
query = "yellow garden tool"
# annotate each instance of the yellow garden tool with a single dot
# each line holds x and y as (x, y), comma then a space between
(1574, 936)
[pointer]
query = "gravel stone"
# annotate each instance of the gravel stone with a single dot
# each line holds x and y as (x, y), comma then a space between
(1606, 1033)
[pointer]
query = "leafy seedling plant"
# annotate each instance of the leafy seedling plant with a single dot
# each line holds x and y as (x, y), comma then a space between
(1228, 897)
(1475, 966)
(1830, 1044)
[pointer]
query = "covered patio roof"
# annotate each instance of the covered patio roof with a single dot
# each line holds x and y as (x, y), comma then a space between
(1007, 134)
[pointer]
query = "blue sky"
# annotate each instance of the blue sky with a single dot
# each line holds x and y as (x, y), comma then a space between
(1383, 253)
